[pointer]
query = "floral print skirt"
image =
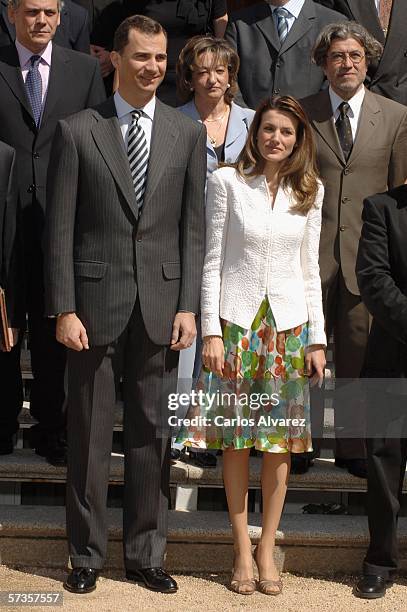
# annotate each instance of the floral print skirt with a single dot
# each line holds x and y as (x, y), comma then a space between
(262, 401)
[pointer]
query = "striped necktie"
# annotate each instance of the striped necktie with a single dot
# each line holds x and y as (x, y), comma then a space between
(137, 152)
(33, 86)
(282, 23)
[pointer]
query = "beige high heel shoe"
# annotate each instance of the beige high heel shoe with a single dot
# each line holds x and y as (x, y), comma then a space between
(268, 587)
(242, 587)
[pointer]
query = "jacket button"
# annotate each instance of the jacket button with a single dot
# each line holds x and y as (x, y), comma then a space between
(31, 189)
(278, 65)
(342, 228)
(36, 155)
(276, 91)
(345, 200)
(138, 239)
(346, 171)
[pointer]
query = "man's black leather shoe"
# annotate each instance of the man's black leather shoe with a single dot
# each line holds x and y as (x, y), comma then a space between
(356, 467)
(371, 587)
(55, 455)
(81, 580)
(155, 578)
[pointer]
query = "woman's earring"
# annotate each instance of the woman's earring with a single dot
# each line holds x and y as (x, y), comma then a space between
(227, 86)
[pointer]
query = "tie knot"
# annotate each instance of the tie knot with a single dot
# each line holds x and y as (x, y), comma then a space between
(35, 60)
(282, 12)
(343, 109)
(135, 115)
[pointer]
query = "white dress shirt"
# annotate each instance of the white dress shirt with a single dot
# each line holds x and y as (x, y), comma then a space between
(124, 110)
(293, 7)
(355, 105)
(377, 3)
(44, 65)
(255, 250)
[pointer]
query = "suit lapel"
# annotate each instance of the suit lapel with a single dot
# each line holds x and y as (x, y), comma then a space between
(11, 71)
(266, 25)
(300, 27)
(237, 125)
(365, 12)
(163, 140)
(324, 124)
(108, 138)
(369, 119)
(60, 64)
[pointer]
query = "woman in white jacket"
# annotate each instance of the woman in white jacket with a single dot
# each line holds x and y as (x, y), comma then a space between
(262, 322)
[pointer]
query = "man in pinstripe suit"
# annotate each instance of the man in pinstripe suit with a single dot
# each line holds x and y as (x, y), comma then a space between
(123, 276)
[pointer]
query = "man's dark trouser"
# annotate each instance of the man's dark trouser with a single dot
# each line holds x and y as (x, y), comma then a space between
(48, 359)
(149, 373)
(348, 319)
(386, 457)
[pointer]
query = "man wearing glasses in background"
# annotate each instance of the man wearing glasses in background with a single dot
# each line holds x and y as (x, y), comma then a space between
(362, 149)
(386, 21)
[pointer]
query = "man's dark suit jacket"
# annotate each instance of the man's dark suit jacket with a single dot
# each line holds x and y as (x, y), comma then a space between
(72, 33)
(389, 77)
(266, 67)
(75, 83)
(11, 277)
(99, 255)
(382, 277)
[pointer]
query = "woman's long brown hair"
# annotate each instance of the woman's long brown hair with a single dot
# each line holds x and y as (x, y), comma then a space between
(298, 171)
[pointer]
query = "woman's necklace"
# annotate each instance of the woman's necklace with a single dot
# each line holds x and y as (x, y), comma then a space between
(213, 138)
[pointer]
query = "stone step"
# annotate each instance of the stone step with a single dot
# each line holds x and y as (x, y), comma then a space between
(199, 541)
(25, 466)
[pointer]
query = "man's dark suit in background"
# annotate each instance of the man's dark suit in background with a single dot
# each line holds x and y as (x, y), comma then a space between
(389, 76)
(268, 67)
(74, 83)
(72, 32)
(126, 286)
(382, 277)
(11, 273)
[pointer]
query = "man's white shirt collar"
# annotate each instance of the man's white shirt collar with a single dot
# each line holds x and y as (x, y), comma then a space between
(124, 108)
(293, 7)
(355, 103)
(24, 54)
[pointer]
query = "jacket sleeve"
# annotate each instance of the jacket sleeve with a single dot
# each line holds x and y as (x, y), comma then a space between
(62, 186)
(378, 290)
(193, 227)
(82, 38)
(310, 271)
(96, 92)
(398, 161)
(13, 253)
(231, 37)
(217, 219)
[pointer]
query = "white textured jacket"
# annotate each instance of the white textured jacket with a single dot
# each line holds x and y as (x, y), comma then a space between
(254, 250)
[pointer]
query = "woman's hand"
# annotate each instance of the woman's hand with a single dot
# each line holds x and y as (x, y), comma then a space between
(315, 362)
(213, 354)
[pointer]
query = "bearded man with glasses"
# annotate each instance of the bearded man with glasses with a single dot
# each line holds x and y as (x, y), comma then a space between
(362, 149)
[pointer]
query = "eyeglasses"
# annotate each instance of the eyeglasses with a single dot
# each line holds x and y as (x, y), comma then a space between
(339, 57)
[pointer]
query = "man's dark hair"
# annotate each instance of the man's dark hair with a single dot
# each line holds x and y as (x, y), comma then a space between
(135, 22)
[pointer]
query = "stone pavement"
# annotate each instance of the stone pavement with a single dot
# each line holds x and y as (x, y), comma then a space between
(200, 593)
